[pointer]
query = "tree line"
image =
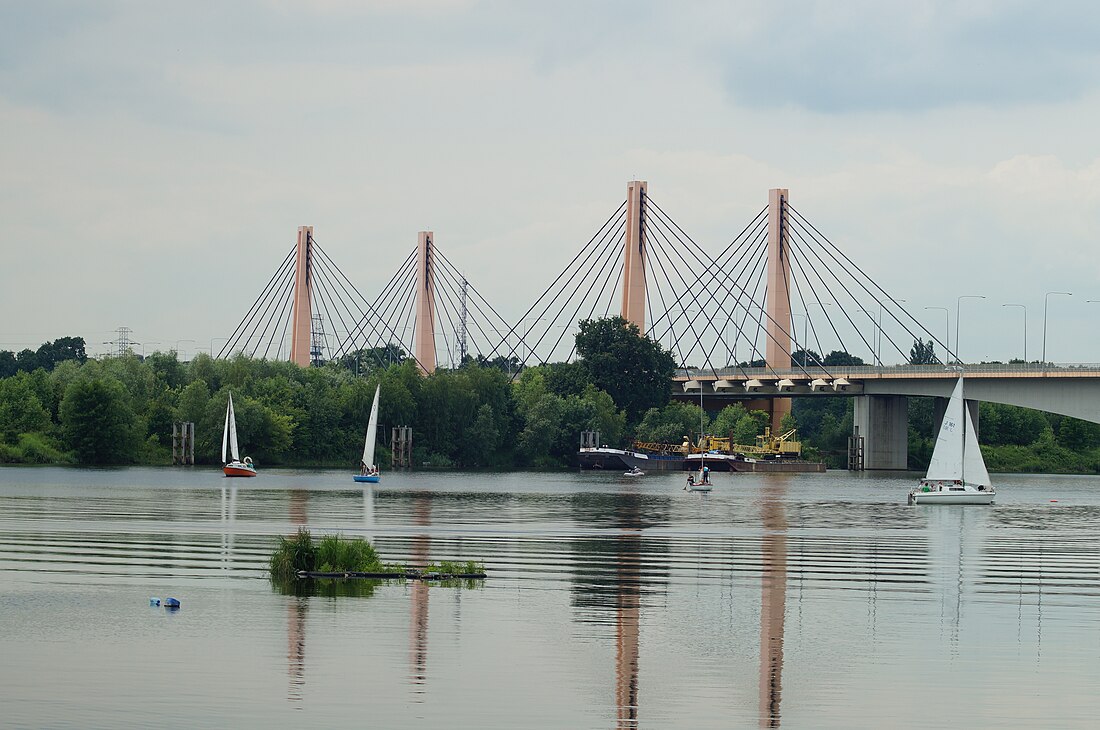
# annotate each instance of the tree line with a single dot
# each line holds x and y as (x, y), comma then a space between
(59, 406)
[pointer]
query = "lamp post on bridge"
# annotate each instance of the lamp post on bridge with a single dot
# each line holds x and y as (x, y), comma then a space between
(178, 345)
(878, 349)
(822, 305)
(958, 311)
(1023, 307)
(805, 329)
(1046, 297)
(874, 338)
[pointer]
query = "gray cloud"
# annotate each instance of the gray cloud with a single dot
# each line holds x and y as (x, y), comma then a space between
(840, 57)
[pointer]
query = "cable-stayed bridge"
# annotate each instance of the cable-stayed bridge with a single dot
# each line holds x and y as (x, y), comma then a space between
(751, 322)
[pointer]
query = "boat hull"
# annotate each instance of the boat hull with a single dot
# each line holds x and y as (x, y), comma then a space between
(622, 460)
(736, 462)
(239, 469)
(967, 496)
(368, 478)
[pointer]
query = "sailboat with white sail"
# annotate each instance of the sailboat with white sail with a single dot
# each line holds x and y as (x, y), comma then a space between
(957, 473)
(368, 470)
(236, 467)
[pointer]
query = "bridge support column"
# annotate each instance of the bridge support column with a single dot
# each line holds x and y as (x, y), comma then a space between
(301, 310)
(424, 327)
(883, 421)
(778, 347)
(634, 255)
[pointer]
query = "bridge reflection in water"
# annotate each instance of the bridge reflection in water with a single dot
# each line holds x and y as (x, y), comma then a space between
(773, 600)
(625, 572)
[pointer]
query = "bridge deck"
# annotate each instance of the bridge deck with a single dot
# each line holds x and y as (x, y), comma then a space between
(904, 372)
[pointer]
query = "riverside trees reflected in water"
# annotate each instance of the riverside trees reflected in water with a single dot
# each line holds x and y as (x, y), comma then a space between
(774, 601)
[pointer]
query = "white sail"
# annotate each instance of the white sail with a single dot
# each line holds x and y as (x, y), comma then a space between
(947, 455)
(372, 432)
(225, 430)
(974, 471)
(231, 431)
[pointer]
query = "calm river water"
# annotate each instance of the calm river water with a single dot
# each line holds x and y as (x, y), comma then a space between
(801, 601)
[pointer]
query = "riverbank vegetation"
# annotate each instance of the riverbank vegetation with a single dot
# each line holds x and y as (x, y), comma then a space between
(59, 406)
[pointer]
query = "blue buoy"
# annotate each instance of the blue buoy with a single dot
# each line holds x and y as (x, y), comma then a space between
(171, 603)
(154, 601)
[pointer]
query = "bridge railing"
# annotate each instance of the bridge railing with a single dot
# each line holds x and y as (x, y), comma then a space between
(885, 371)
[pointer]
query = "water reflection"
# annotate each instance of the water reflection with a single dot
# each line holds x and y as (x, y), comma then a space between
(773, 600)
(418, 624)
(296, 608)
(228, 524)
(597, 588)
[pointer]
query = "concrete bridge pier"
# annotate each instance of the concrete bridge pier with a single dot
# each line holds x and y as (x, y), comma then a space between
(883, 421)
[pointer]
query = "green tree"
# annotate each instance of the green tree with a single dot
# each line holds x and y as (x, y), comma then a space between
(727, 419)
(671, 424)
(751, 425)
(21, 411)
(49, 354)
(842, 358)
(98, 423)
(634, 370)
(922, 353)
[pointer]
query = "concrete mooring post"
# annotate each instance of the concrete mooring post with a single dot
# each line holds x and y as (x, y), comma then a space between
(401, 447)
(183, 443)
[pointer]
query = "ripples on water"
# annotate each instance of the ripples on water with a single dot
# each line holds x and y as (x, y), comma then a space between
(796, 601)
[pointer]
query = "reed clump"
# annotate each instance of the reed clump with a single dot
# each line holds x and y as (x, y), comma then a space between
(452, 567)
(331, 554)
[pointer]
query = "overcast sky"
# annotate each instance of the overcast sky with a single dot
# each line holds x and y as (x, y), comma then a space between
(157, 159)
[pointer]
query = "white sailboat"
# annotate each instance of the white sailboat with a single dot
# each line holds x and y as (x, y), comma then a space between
(957, 473)
(368, 470)
(236, 467)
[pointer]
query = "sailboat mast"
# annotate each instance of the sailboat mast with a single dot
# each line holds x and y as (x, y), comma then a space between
(962, 397)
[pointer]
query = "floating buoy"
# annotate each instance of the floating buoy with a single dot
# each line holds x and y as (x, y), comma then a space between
(1054, 500)
(171, 603)
(154, 601)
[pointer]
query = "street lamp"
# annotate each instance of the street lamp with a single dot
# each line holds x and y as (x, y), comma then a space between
(878, 349)
(178, 345)
(958, 310)
(874, 337)
(1021, 306)
(822, 305)
(947, 322)
(1045, 297)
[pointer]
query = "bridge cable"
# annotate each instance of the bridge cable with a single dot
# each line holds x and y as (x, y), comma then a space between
(883, 291)
(607, 257)
(606, 246)
(263, 313)
(405, 271)
(887, 309)
(265, 291)
(783, 347)
(599, 233)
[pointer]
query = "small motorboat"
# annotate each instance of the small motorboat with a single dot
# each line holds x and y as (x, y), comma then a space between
(634, 472)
